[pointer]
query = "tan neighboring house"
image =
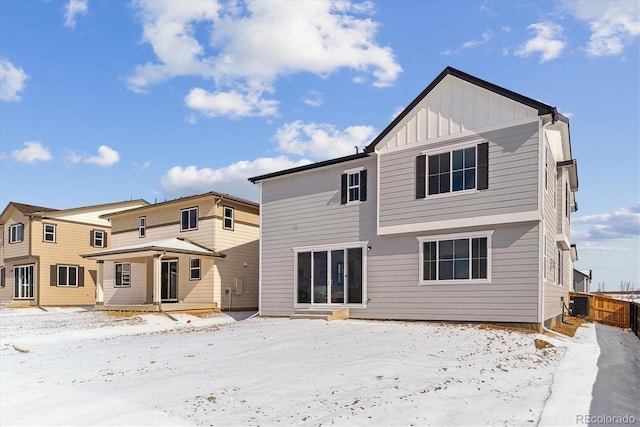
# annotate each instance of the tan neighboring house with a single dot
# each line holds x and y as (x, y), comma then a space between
(196, 252)
(40, 263)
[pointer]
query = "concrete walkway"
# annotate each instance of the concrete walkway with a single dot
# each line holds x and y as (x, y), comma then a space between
(616, 391)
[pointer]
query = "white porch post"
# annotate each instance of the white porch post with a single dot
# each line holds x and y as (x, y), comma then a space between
(100, 283)
(157, 271)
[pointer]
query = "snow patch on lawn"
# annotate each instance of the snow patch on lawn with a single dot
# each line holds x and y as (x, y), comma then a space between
(92, 368)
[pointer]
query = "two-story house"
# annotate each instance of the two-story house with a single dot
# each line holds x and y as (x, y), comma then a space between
(196, 252)
(459, 210)
(40, 252)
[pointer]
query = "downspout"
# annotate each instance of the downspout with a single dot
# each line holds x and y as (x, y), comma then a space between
(541, 238)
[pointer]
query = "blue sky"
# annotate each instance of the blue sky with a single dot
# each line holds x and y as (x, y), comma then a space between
(103, 101)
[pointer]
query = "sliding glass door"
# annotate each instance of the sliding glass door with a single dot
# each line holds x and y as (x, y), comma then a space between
(330, 276)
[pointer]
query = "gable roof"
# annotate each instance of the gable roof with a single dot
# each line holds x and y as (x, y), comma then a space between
(26, 209)
(542, 109)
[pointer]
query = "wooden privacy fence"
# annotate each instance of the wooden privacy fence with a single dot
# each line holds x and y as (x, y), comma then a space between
(607, 310)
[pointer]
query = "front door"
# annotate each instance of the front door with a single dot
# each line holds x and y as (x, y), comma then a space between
(169, 281)
(23, 281)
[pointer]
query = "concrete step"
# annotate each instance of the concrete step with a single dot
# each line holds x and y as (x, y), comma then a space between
(321, 314)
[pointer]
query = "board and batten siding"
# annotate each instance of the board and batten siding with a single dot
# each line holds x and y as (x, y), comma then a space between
(304, 209)
(513, 180)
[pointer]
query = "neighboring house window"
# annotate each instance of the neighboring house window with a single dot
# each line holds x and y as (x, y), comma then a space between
(123, 275)
(353, 186)
(567, 201)
(98, 238)
(2, 270)
(189, 219)
(49, 233)
(23, 280)
(67, 275)
(455, 258)
(452, 171)
(142, 226)
(194, 269)
(16, 233)
(560, 275)
(228, 218)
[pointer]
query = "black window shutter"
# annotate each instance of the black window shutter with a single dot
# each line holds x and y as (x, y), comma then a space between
(483, 166)
(2, 277)
(104, 241)
(53, 273)
(421, 176)
(363, 185)
(343, 189)
(81, 276)
(91, 240)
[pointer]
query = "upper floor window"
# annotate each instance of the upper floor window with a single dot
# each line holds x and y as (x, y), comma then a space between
(123, 275)
(567, 200)
(98, 238)
(353, 186)
(451, 171)
(49, 233)
(142, 226)
(194, 269)
(16, 233)
(453, 258)
(67, 275)
(228, 218)
(188, 219)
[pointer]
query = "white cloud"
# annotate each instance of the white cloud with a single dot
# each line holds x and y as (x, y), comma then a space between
(614, 24)
(33, 152)
(72, 157)
(549, 41)
(486, 36)
(142, 166)
(72, 10)
(106, 157)
(314, 98)
(12, 81)
(244, 55)
(233, 103)
(231, 179)
(320, 140)
(622, 224)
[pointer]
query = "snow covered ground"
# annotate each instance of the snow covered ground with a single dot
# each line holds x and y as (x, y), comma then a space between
(80, 367)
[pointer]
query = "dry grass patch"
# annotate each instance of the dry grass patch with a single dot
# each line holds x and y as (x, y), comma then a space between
(569, 326)
(541, 344)
(508, 328)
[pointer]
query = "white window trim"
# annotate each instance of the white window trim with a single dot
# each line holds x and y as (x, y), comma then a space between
(435, 238)
(350, 187)
(15, 227)
(45, 233)
(33, 280)
(353, 171)
(192, 268)
(197, 219)
(225, 217)
(450, 149)
(142, 226)
(58, 267)
(335, 246)
(95, 238)
(115, 275)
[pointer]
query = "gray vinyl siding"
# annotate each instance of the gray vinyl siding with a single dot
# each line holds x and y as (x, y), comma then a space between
(304, 210)
(513, 181)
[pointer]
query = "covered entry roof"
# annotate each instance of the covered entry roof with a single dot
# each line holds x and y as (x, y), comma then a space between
(167, 246)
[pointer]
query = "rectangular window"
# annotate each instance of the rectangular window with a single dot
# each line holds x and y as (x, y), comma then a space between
(49, 233)
(228, 218)
(123, 275)
(142, 226)
(98, 239)
(454, 258)
(330, 276)
(189, 219)
(453, 171)
(353, 186)
(68, 275)
(2, 270)
(16, 233)
(23, 281)
(194, 269)
(560, 275)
